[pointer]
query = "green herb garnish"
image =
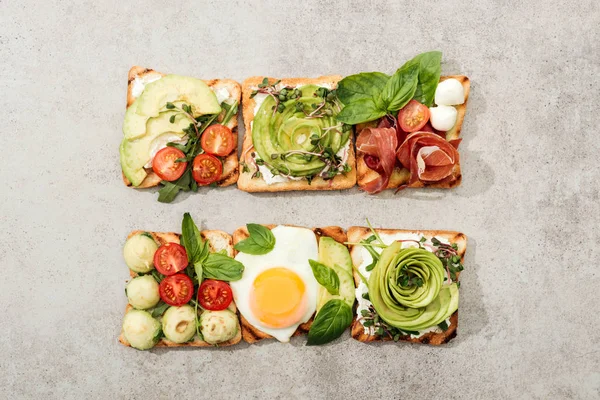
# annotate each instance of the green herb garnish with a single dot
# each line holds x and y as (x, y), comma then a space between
(260, 240)
(326, 277)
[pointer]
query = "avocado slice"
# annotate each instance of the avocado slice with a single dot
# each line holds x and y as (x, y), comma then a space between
(179, 323)
(333, 253)
(277, 134)
(177, 89)
(134, 125)
(346, 289)
(141, 330)
(136, 153)
(384, 290)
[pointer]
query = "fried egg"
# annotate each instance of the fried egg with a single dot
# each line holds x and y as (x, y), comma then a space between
(277, 291)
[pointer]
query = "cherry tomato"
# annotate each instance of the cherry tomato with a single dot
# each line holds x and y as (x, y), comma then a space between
(176, 290)
(218, 140)
(164, 164)
(214, 295)
(413, 116)
(206, 169)
(170, 258)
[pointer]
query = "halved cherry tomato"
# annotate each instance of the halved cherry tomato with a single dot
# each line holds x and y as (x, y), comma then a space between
(413, 116)
(218, 140)
(206, 169)
(214, 295)
(170, 258)
(164, 164)
(176, 290)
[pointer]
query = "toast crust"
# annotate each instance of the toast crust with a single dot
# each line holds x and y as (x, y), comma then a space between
(230, 163)
(251, 334)
(358, 233)
(249, 184)
(401, 175)
(217, 240)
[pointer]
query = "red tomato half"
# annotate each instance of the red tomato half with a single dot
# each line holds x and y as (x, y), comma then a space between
(170, 258)
(206, 169)
(413, 116)
(214, 295)
(218, 140)
(164, 164)
(176, 290)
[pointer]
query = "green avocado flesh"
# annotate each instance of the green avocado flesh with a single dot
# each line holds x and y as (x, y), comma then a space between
(136, 153)
(411, 307)
(140, 329)
(148, 118)
(288, 133)
(337, 257)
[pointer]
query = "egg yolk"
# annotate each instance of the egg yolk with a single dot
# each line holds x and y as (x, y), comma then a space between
(278, 297)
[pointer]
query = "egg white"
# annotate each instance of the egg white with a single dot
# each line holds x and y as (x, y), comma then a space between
(293, 248)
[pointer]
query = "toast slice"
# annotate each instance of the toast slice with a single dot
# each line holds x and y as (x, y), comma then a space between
(358, 233)
(138, 77)
(217, 240)
(401, 175)
(257, 184)
(252, 334)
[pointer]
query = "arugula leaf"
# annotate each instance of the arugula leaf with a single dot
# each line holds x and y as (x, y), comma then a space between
(430, 69)
(160, 309)
(359, 111)
(331, 321)
(260, 241)
(169, 191)
(366, 85)
(400, 89)
(326, 277)
(196, 248)
(231, 110)
(222, 267)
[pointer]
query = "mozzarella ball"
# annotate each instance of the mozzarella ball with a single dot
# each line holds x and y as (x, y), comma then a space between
(443, 118)
(449, 93)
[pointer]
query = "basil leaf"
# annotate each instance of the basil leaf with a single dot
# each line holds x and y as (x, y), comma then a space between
(366, 85)
(331, 321)
(159, 309)
(196, 248)
(325, 276)
(401, 87)
(363, 110)
(260, 240)
(198, 270)
(222, 267)
(430, 69)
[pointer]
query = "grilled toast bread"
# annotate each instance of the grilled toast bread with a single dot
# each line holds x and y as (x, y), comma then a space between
(257, 184)
(217, 240)
(401, 175)
(252, 334)
(141, 76)
(358, 233)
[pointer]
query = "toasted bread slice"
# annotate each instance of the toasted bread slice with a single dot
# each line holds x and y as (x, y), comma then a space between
(252, 334)
(141, 76)
(217, 240)
(358, 233)
(401, 176)
(258, 184)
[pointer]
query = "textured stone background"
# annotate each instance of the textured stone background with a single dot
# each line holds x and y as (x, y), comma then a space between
(529, 200)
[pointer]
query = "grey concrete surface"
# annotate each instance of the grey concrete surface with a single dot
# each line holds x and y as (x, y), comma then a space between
(529, 200)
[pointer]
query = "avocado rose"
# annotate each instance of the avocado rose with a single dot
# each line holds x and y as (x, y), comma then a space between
(407, 291)
(299, 137)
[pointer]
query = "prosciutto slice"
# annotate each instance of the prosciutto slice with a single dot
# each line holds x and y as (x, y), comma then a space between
(380, 143)
(428, 157)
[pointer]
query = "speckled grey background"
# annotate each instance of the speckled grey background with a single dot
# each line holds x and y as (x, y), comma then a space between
(529, 200)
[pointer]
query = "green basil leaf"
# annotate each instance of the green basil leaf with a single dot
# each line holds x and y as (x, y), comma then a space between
(400, 89)
(366, 85)
(331, 321)
(260, 240)
(196, 248)
(198, 269)
(222, 267)
(430, 69)
(363, 110)
(325, 276)
(159, 309)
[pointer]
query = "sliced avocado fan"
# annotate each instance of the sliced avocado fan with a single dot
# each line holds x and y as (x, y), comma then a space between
(285, 140)
(406, 289)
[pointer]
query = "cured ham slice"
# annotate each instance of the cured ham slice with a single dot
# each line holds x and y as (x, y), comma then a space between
(380, 143)
(428, 157)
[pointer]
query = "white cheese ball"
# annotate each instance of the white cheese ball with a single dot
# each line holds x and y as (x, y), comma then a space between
(449, 93)
(443, 118)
